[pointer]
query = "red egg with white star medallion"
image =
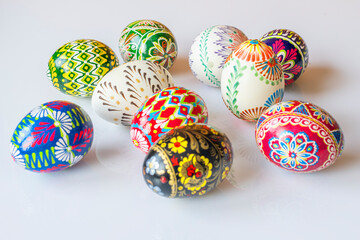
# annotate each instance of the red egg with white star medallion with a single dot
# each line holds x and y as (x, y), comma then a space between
(299, 136)
(170, 108)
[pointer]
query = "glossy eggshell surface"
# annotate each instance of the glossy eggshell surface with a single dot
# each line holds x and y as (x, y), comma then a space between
(148, 40)
(77, 67)
(299, 136)
(252, 80)
(124, 89)
(209, 51)
(291, 51)
(188, 161)
(170, 108)
(54, 136)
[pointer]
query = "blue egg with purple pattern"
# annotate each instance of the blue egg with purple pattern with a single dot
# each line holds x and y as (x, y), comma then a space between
(53, 136)
(291, 51)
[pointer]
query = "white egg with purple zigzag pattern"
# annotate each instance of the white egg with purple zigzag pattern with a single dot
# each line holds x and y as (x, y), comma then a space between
(209, 51)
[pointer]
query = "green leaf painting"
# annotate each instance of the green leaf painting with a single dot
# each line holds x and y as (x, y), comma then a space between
(204, 58)
(232, 87)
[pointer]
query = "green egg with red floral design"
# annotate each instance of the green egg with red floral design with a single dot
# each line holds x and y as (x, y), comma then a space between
(148, 40)
(188, 161)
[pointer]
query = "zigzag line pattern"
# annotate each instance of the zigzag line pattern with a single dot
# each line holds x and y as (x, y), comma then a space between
(78, 66)
(77, 117)
(22, 129)
(41, 159)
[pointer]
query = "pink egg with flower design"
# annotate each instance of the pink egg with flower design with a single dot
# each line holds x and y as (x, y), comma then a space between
(291, 51)
(165, 110)
(299, 136)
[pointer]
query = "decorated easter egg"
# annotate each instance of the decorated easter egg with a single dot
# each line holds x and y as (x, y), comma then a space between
(299, 136)
(170, 108)
(148, 40)
(188, 161)
(77, 67)
(124, 89)
(53, 136)
(209, 51)
(291, 51)
(252, 80)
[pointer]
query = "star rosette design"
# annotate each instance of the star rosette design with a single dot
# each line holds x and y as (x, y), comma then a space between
(294, 152)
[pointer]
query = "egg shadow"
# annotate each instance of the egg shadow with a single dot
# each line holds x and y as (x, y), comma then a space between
(181, 66)
(345, 161)
(108, 153)
(247, 163)
(81, 166)
(247, 159)
(89, 159)
(115, 151)
(315, 79)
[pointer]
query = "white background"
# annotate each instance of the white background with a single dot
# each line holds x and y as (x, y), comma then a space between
(105, 197)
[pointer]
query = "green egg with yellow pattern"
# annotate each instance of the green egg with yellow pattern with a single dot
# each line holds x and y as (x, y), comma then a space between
(148, 40)
(188, 161)
(77, 67)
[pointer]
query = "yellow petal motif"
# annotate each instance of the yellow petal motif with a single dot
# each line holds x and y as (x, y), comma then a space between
(180, 141)
(201, 165)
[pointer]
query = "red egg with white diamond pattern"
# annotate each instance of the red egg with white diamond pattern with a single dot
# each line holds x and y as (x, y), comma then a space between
(170, 108)
(299, 136)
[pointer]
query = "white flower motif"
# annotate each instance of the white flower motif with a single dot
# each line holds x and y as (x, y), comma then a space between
(151, 166)
(146, 111)
(62, 121)
(161, 123)
(76, 160)
(320, 114)
(143, 120)
(40, 111)
(15, 154)
(156, 189)
(147, 128)
(280, 106)
(139, 140)
(63, 151)
(164, 51)
(48, 74)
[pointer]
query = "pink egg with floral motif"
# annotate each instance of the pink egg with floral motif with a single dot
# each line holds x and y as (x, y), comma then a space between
(165, 110)
(299, 136)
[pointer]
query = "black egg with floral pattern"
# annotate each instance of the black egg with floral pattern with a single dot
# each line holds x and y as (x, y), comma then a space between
(188, 161)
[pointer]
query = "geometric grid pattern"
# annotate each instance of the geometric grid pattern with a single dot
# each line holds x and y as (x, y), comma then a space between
(78, 66)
